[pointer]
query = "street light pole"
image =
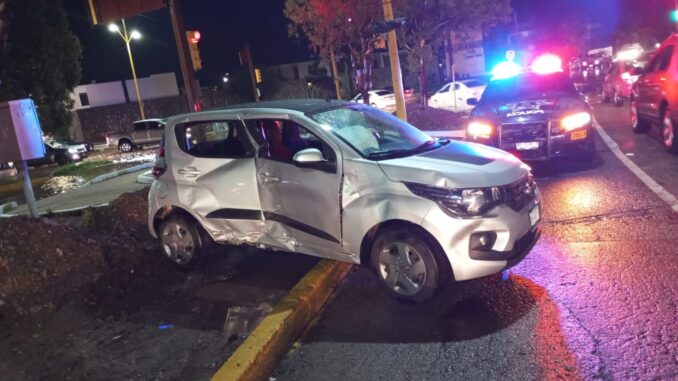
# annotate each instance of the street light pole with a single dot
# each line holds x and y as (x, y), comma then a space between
(127, 38)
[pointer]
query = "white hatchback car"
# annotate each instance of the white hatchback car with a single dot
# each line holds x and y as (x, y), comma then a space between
(381, 99)
(464, 90)
(343, 181)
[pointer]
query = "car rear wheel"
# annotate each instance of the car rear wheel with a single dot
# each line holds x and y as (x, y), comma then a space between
(125, 146)
(639, 125)
(61, 160)
(409, 266)
(605, 96)
(669, 135)
(184, 243)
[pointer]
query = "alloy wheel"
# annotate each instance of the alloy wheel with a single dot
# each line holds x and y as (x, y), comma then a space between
(402, 268)
(177, 243)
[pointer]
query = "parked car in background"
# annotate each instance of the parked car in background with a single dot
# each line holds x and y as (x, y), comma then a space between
(56, 155)
(380, 99)
(620, 78)
(88, 146)
(144, 132)
(343, 181)
(463, 90)
(654, 96)
(79, 149)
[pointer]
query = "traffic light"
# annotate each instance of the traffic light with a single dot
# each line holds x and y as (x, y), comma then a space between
(674, 15)
(257, 75)
(193, 37)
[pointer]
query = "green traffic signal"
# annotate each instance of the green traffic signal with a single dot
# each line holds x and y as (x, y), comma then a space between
(674, 15)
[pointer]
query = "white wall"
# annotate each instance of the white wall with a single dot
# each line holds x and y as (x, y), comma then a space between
(156, 86)
(112, 93)
(99, 94)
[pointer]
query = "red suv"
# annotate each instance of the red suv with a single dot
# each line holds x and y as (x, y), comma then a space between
(654, 97)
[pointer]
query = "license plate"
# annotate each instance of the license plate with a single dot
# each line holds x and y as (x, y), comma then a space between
(535, 216)
(578, 135)
(527, 146)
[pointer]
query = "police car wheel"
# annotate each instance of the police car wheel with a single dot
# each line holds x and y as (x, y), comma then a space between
(605, 96)
(618, 100)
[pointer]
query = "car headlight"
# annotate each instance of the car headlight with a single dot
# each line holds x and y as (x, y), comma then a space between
(470, 202)
(572, 122)
(72, 150)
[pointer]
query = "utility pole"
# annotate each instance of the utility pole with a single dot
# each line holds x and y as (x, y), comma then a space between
(187, 72)
(247, 53)
(394, 59)
(128, 39)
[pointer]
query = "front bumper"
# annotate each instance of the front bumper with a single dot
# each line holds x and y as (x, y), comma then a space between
(515, 237)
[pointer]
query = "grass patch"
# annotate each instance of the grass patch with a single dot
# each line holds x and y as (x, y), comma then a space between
(76, 169)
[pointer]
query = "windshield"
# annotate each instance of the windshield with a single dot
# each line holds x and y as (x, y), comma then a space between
(374, 134)
(474, 84)
(382, 92)
(529, 86)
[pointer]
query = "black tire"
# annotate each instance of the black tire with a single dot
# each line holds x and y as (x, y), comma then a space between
(638, 125)
(605, 96)
(125, 145)
(184, 243)
(590, 155)
(61, 160)
(398, 251)
(669, 132)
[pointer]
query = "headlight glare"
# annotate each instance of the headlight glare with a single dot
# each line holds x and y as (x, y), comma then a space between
(478, 129)
(572, 122)
(72, 150)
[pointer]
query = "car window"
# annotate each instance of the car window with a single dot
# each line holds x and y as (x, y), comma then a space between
(140, 126)
(457, 87)
(358, 98)
(281, 139)
(529, 86)
(213, 139)
(445, 89)
(157, 125)
(382, 92)
(474, 83)
(661, 60)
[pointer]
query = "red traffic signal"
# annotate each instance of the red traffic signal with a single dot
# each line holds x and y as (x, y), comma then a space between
(193, 36)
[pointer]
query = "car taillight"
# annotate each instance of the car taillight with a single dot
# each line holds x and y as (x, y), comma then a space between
(160, 165)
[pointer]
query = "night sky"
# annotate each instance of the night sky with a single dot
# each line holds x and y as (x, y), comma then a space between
(226, 25)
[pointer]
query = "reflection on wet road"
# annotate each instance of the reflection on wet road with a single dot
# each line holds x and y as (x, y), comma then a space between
(596, 298)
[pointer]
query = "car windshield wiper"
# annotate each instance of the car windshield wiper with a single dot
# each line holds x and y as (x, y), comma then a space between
(403, 152)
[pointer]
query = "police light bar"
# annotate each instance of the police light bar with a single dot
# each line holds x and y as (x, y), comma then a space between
(506, 70)
(547, 64)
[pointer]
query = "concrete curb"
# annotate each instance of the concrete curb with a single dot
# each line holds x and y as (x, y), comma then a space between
(62, 212)
(258, 355)
(110, 175)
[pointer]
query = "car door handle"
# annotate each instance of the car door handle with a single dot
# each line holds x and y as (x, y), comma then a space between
(267, 178)
(189, 172)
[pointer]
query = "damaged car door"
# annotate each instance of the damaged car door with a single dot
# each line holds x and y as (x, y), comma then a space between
(299, 179)
(214, 169)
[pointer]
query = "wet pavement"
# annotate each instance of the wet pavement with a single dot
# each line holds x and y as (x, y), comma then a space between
(596, 298)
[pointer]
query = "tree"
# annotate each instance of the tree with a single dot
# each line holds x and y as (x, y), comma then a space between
(428, 22)
(334, 25)
(5, 21)
(41, 61)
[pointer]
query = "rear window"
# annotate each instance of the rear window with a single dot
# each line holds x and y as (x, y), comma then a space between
(529, 86)
(474, 84)
(382, 92)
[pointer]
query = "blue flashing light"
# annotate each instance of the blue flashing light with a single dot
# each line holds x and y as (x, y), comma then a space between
(505, 70)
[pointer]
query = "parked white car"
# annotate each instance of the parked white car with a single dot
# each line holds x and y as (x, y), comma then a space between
(465, 90)
(342, 181)
(381, 99)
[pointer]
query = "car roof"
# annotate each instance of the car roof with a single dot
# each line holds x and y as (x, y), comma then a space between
(306, 106)
(150, 120)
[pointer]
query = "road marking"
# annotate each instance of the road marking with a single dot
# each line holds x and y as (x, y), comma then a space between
(642, 175)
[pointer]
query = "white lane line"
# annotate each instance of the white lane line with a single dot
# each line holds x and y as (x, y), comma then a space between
(644, 177)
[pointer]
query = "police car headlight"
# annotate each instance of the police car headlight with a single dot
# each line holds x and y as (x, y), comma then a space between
(72, 150)
(479, 129)
(460, 202)
(579, 120)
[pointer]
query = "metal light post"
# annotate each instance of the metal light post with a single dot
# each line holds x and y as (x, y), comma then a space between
(135, 35)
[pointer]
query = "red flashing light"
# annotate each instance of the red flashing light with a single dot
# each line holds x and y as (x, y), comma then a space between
(196, 36)
(626, 76)
(547, 64)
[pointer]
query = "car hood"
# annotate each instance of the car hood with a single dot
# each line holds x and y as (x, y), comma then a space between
(535, 110)
(457, 165)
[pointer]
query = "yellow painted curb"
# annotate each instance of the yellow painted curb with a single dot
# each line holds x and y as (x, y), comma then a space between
(257, 356)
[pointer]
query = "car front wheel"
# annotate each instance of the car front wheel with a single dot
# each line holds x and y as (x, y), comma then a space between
(184, 243)
(669, 132)
(409, 266)
(125, 146)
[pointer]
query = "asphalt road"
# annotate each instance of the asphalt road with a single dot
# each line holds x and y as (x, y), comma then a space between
(596, 298)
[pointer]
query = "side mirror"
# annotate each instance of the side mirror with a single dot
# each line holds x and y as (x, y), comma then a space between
(472, 101)
(308, 156)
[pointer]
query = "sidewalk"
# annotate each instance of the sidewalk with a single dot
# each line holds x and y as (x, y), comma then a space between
(91, 195)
